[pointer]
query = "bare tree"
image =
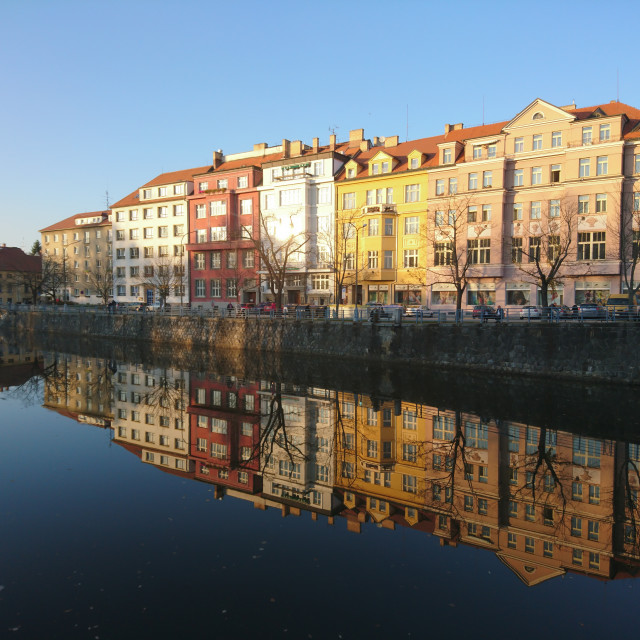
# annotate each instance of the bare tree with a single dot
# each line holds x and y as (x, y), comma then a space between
(55, 276)
(162, 275)
(625, 227)
(277, 251)
(545, 245)
(31, 282)
(455, 236)
(101, 279)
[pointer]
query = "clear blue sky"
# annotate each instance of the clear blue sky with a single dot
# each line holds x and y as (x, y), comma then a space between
(106, 95)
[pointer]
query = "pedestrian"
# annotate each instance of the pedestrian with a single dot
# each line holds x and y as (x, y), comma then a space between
(229, 309)
(499, 314)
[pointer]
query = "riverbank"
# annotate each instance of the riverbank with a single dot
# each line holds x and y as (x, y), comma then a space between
(599, 351)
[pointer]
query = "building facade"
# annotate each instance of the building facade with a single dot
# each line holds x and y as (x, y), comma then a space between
(20, 276)
(150, 231)
(79, 250)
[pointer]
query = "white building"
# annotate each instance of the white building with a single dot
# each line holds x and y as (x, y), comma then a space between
(150, 229)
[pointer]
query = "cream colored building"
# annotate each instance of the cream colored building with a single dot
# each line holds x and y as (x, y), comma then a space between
(81, 245)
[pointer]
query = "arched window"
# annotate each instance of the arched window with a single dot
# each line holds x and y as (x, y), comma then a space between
(538, 115)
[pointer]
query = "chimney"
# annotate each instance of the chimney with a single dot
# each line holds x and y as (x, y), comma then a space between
(391, 141)
(217, 158)
(316, 144)
(452, 127)
(286, 148)
(376, 141)
(296, 148)
(356, 135)
(364, 145)
(332, 141)
(260, 146)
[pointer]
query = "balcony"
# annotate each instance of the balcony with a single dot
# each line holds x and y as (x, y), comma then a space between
(388, 209)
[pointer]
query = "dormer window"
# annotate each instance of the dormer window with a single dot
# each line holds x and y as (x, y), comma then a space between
(414, 163)
(146, 193)
(385, 167)
(477, 152)
(351, 172)
(162, 191)
(492, 150)
(375, 169)
(447, 156)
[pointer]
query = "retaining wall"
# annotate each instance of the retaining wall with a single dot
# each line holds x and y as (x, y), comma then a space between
(598, 351)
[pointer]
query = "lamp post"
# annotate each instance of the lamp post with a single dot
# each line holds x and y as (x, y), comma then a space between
(364, 224)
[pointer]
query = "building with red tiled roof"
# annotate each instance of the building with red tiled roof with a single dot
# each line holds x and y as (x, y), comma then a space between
(77, 256)
(20, 276)
(512, 213)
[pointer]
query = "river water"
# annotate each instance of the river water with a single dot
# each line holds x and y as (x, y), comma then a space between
(157, 495)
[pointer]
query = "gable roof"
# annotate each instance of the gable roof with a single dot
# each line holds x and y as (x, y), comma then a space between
(70, 222)
(15, 259)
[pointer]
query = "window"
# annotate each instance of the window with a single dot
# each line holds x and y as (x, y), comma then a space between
(134, 234)
(483, 506)
(587, 134)
(479, 250)
(477, 151)
(518, 177)
(412, 193)
(594, 494)
(410, 452)
(534, 249)
(409, 483)
(636, 165)
(602, 165)
(472, 214)
(554, 208)
(576, 526)
(517, 211)
(443, 253)
(199, 288)
(483, 474)
(536, 175)
(536, 210)
(537, 142)
(593, 530)
(410, 258)
(216, 259)
(453, 186)
(468, 503)
(487, 179)
(529, 545)
(443, 428)
(163, 212)
(215, 287)
(198, 261)
(232, 259)
(232, 287)
(348, 200)
(513, 509)
(516, 250)
(411, 225)
(218, 233)
(163, 232)
(248, 258)
(587, 452)
(372, 259)
(530, 513)
(594, 560)
(584, 168)
(605, 132)
(492, 150)
(592, 245)
(511, 540)
(409, 420)
(320, 281)
(388, 226)
(243, 182)
(519, 145)
(134, 253)
(324, 195)
(439, 187)
(447, 156)
(414, 163)
(473, 181)
(556, 139)
(583, 204)
(486, 212)
(201, 211)
(246, 206)
(372, 228)
(576, 556)
(601, 202)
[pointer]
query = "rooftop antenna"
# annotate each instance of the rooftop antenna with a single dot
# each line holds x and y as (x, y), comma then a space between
(106, 198)
(333, 130)
(618, 84)
(483, 111)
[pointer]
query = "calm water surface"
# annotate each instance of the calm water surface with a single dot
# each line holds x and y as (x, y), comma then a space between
(108, 536)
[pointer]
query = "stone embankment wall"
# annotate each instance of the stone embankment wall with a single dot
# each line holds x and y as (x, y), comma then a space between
(599, 351)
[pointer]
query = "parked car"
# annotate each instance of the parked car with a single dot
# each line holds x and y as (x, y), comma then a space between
(619, 303)
(484, 311)
(592, 310)
(530, 312)
(308, 310)
(419, 310)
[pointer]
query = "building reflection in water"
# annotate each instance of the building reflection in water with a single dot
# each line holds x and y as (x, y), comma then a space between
(545, 501)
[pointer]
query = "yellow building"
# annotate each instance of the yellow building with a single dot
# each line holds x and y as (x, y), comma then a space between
(381, 213)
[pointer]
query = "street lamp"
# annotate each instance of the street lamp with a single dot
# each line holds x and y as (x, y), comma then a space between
(364, 224)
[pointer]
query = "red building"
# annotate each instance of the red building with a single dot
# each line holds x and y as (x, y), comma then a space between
(224, 216)
(224, 425)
